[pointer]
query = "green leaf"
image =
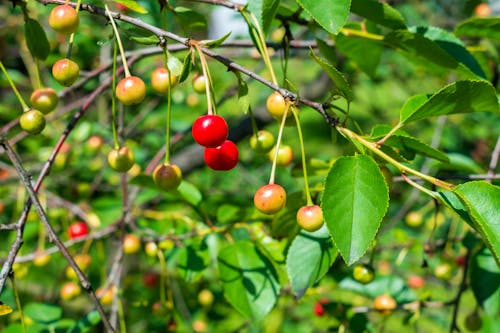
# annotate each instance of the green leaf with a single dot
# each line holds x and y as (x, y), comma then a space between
(132, 5)
(482, 201)
(143, 180)
(309, 257)
(90, 320)
(366, 53)
(191, 263)
(186, 67)
(216, 42)
(150, 40)
(488, 27)
(249, 279)
(379, 12)
(190, 193)
(393, 285)
(459, 97)
(43, 313)
(330, 14)
(355, 200)
(452, 45)
(189, 19)
(484, 281)
(174, 65)
(342, 86)
(243, 97)
(407, 145)
(265, 11)
(36, 40)
(461, 163)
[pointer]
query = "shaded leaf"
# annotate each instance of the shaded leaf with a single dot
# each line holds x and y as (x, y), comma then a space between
(186, 67)
(330, 14)
(459, 97)
(355, 200)
(488, 27)
(216, 42)
(309, 257)
(36, 40)
(43, 313)
(338, 78)
(379, 12)
(150, 40)
(190, 193)
(243, 97)
(90, 320)
(189, 19)
(191, 263)
(249, 279)
(485, 281)
(366, 53)
(265, 11)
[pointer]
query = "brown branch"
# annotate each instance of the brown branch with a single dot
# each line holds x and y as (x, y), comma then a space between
(52, 234)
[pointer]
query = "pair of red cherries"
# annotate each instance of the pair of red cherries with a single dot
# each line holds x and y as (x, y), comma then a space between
(210, 131)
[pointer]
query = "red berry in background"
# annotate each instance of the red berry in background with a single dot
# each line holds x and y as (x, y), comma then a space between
(460, 260)
(64, 19)
(77, 230)
(318, 309)
(210, 130)
(222, 158)
(131, 90)
(270, 198)
(415, 281)
(150, 279)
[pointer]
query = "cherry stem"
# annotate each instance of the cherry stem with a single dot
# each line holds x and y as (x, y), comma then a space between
(261, 43)
(118, 39)
(169, 109)
(388, 135)
(255, 128)
(14, 88)
(303, 152)
(38, 77)
(163, 276)
(208, 80)
(114, 124)
(278, 143)
(72, 37)
(18, 302)
(372, 146)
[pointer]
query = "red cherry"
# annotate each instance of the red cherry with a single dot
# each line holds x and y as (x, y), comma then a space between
(77, 230)
(222, 158)
(210, 130)
(318, 309)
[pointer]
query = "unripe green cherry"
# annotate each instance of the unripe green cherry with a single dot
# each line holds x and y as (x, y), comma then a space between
(121, 159)
(64, 19)
(310, 218)
(363, 273)
(276, 105)
(32, 121)
(44, 99)
(199, 84)
(167, 176)
(65, 71)
(161, 80)
(285, 155)
(131, 90)
(270, 198)
(262, 142)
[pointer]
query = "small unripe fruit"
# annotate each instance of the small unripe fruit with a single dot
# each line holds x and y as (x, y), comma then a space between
(167, 176)
(210, 130)
(443, 271)
(131, 244)
(121, 159)
(41, 259)
(205, 298)
(262, 142)
(82, 260)
(270, 198)
(222, 158)
(199, 84)
(95, 142)
(276, 105)
(106, 296)
(285, 155)
(483, 10)
(414, 219)
(131, 90)
(65, 71)
(151, 249)
(44, 99)
(32, 121)
(70, 290)
(384, 303)
(64, 19)
(161, 80)
(415, 281)
(363, 273)
(199, 326)
(310, 218)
